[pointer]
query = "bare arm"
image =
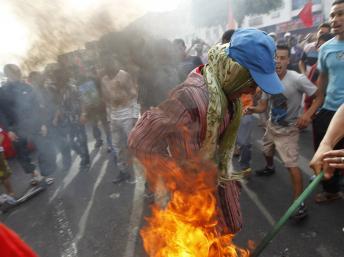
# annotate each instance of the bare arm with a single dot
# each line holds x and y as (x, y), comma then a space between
(326, 158)
(322, 83)
(317, 161)
(302, 67)
(259, 108)
(306, 118)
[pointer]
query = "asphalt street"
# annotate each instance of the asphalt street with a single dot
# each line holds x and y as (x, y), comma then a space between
(83, 214)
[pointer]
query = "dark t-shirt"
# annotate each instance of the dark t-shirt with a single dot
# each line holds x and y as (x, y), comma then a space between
(310, 57)
(20, 108)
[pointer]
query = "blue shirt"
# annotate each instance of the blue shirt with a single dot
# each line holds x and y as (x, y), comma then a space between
(331, 61)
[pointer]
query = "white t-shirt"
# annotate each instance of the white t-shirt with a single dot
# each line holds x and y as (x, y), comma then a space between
(286, 107)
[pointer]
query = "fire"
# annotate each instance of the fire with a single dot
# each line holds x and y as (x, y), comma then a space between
(187, 225)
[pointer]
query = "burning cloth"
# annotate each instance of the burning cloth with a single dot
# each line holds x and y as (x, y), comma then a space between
(185, 146)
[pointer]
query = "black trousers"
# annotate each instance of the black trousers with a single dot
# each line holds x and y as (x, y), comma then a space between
(23, 154)
(320, 125)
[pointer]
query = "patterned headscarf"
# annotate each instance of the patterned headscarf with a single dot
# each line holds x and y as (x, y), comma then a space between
(224, 77)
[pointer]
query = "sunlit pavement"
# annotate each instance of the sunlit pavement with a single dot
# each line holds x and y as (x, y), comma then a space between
(84, 214)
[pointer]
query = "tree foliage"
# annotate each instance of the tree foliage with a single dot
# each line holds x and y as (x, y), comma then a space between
(208, 13)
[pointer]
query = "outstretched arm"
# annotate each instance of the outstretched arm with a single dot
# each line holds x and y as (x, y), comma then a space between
(325, 158)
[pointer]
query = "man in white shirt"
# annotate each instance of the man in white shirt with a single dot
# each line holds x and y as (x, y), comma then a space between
(120, 91)
(282, 131)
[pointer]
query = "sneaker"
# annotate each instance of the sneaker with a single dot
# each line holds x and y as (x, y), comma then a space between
(98, 144)
(325, 197)
(48, 180)
(5, 198)
(122, 176)
(265, 171)
(300, 213)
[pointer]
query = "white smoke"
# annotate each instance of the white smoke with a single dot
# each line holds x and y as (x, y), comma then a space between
(34, 32)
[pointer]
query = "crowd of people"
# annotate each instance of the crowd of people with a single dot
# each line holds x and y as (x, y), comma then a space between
(48, 111)
(313, 93)
(145, 101)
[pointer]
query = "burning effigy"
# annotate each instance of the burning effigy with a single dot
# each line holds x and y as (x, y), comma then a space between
(186, 144)
(188, 225)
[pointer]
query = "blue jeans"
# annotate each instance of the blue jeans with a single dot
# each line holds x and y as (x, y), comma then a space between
(46, 154)
(244, 140)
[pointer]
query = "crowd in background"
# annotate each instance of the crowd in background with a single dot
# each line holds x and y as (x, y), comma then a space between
(47, 112)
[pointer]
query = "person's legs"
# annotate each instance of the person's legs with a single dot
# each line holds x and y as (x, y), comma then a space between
(107, 130)
(8, 186)
(97, 134)
(331, 187)
(81, 141)
(117, 136)
(287, 147)
(244, 141)
(64, 145)
(268, 150)
(245, 156)
(297, 182)
(23, 155)
(46, 155)
(128, 126)
(121, 129)
(5, 173)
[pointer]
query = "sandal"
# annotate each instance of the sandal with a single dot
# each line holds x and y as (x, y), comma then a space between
(324, 197)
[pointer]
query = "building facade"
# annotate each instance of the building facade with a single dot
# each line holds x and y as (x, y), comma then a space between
(286, 18)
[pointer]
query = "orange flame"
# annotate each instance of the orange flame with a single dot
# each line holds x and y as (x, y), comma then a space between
(187, 225)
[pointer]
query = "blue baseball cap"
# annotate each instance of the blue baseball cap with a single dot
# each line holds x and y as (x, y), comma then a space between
(255, 50)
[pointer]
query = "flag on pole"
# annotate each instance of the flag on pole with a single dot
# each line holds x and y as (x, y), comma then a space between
(306, 14)
(231, 23)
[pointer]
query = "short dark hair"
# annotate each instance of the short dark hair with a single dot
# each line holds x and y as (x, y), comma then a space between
(325, 25)
(338, 2)
(179, 41)
(283, 47)
(12, 71)
(325, 37)
(227, 35)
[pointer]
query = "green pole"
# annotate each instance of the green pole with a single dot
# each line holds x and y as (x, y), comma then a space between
(277, 227)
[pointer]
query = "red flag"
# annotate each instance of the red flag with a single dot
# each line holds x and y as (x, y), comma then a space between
(306, 14)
